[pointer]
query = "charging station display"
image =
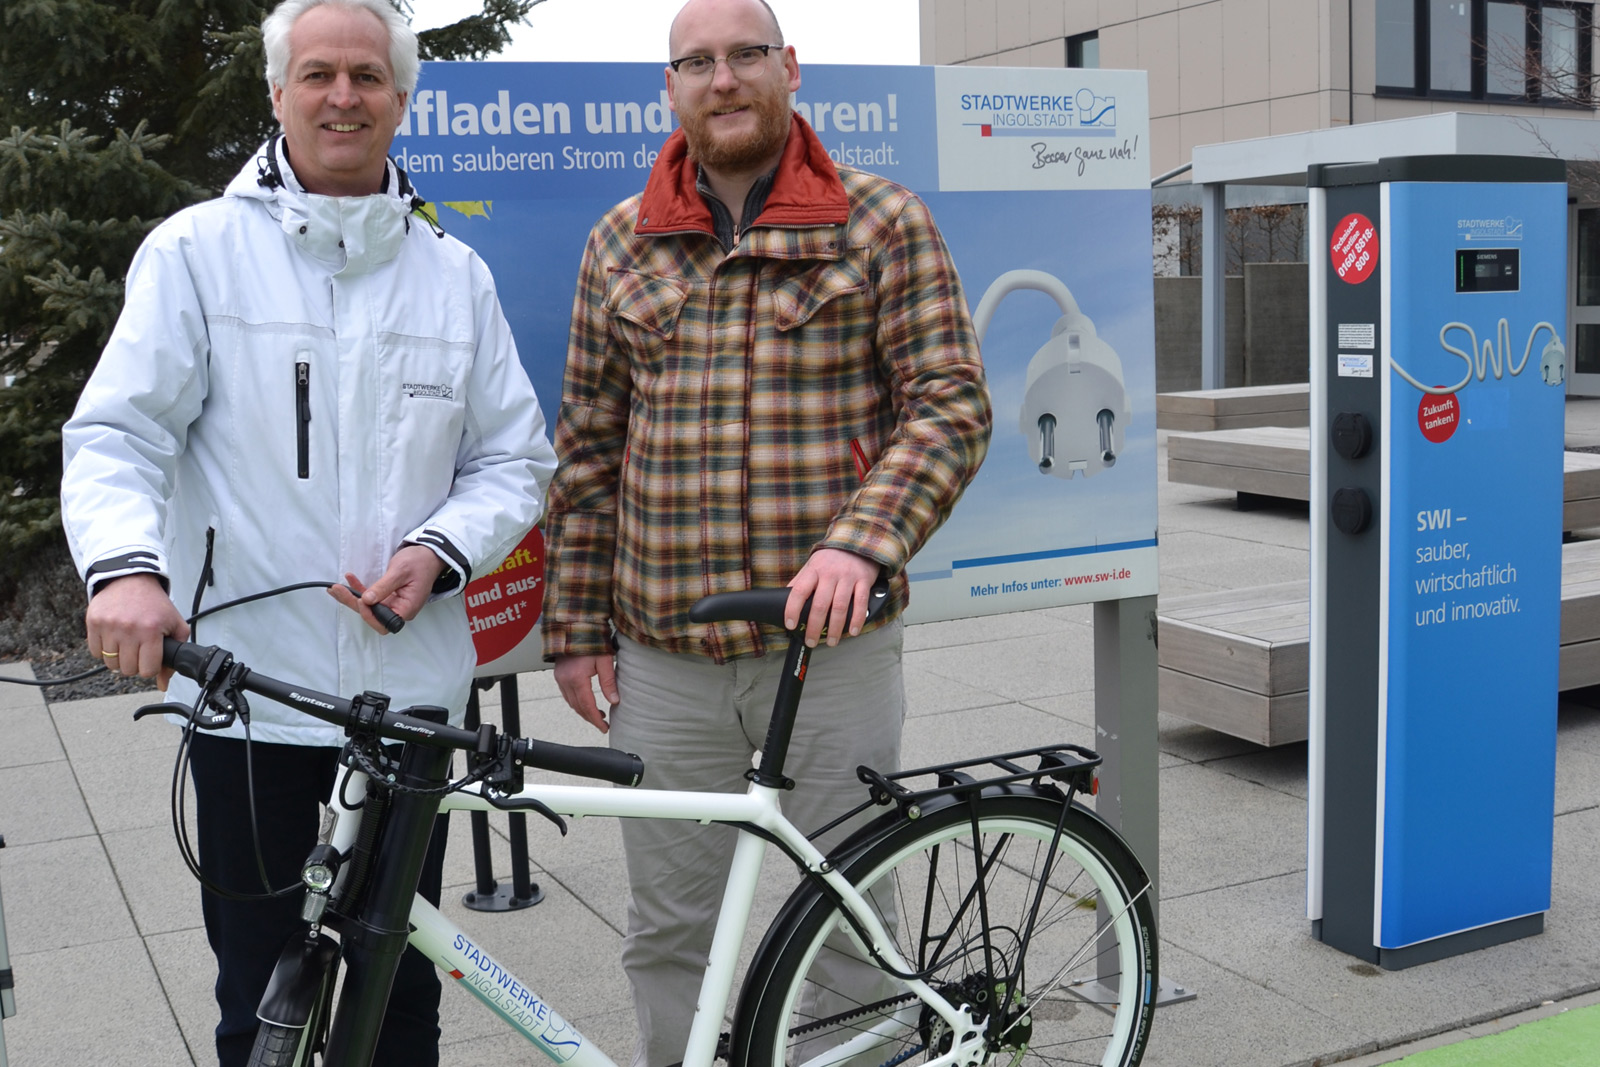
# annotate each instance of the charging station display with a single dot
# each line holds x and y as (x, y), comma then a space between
(1437, 557)
(1039, 181)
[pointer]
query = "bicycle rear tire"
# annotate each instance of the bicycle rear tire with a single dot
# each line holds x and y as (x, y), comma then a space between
(1093, 940)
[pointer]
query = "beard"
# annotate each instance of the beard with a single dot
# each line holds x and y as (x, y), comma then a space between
(739, 151)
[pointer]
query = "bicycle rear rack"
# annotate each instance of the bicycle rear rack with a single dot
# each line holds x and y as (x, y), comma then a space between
(1072, 765)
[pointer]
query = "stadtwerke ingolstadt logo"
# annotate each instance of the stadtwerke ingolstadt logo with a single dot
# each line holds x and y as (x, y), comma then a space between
(1080, 114)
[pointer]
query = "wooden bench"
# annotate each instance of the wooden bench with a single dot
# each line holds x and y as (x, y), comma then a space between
(1240, 661)
(1226, 409)
(1275, 461)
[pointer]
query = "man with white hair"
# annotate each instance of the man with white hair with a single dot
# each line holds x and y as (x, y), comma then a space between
(307, 381)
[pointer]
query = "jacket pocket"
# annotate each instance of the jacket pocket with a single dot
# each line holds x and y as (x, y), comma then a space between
(649, 301)
(798, 298)
(302, 414)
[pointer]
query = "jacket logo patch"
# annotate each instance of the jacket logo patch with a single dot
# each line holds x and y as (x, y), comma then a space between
(428, 392)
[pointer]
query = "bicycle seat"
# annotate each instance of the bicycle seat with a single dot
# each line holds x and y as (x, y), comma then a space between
(766, 606)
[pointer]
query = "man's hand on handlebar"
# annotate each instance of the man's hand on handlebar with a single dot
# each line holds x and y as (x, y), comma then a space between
(576, 675)
(404, 587)
(125, 622)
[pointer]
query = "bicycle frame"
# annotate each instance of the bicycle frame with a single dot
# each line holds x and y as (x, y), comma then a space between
(459, 955)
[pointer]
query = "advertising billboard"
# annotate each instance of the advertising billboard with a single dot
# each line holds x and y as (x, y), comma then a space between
(1039, 181)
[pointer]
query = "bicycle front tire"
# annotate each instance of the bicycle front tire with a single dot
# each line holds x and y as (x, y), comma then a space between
(1075, 985)
(279, 1046)
(294, 1046)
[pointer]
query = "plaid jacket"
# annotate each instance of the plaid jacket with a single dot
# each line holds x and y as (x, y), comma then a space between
(726, 413)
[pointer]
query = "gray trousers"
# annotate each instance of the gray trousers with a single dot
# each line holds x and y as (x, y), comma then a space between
(697, 725)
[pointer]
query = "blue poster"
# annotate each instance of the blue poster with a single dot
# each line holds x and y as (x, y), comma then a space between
(1476, 282)
(1039, 180)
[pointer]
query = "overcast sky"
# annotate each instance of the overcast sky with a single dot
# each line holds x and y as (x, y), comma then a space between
(879, 31)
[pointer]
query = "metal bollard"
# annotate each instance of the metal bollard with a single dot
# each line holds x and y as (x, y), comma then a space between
(489, 894)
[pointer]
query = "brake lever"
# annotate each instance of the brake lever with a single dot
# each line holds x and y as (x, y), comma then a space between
(212, 719)
(168, 708)
(525, 804)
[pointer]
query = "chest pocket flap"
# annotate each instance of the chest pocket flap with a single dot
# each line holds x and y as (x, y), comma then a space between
(649, 301)
(797, 298)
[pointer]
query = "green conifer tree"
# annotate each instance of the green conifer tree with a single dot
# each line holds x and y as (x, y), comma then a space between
(113, 115)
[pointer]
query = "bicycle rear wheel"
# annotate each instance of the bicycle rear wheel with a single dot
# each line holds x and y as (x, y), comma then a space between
(1054, 947)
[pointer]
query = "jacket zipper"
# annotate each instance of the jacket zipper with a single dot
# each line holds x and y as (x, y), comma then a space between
(302, 400)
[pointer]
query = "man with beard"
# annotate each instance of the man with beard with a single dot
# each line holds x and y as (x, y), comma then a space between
(771, 379)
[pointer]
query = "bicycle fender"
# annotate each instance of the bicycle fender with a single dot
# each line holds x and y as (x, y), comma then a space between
(297, 980)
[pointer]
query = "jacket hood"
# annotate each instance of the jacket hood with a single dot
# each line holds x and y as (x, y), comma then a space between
(805, 192)
(350, 234)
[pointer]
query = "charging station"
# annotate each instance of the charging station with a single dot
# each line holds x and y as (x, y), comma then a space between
(1438, 303)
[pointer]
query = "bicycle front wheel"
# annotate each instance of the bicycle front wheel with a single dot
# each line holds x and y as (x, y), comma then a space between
(1049, 938)
(295, 1046)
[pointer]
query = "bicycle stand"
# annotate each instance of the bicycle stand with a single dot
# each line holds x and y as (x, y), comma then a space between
(8, 1000)
(489, 895)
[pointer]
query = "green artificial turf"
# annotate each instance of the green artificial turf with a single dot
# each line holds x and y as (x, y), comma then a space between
(1571, 1039)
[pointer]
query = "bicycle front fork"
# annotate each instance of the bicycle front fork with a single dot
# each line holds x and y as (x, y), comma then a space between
(375, 938)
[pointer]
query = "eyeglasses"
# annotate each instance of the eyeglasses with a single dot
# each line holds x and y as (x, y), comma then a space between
(747, 64)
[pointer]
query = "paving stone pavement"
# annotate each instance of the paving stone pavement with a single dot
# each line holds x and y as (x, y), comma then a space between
(112, 966)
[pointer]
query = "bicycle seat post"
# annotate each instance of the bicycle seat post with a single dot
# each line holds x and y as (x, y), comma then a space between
(775, 750)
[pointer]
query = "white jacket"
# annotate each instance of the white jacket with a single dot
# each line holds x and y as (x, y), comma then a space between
(297, 385)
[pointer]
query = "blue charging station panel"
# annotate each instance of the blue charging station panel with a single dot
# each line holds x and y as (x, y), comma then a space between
(1436, 589)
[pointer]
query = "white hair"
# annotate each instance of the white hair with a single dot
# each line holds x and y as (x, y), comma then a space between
(402, 39)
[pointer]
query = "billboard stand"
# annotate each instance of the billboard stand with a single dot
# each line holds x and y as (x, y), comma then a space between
(522, 892)
(1125, 734)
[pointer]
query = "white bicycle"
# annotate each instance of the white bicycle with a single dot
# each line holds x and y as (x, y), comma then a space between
(986, 916)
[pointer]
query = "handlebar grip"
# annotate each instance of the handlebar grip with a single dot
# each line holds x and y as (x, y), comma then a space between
(187, 658)
(606, 764)
(389, 617)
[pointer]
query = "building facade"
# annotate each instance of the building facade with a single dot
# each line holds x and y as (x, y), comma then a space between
(1233, 70)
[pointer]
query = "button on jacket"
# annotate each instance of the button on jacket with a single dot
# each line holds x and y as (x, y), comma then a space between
(297, 385)
(726, 412)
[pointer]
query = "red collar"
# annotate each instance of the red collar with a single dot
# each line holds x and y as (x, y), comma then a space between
(806, 192)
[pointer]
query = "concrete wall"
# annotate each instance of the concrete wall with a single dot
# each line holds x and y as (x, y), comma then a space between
(1268, 324)
(1178, 333)
(1277, 324)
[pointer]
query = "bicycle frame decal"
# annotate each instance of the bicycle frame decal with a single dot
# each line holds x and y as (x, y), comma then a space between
(501, 991)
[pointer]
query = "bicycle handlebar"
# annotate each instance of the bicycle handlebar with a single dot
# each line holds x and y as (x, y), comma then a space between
(201, 663)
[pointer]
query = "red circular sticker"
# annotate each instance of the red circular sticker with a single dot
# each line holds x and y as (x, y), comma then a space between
(503, 606)
(1438, 415)
(1354, 248)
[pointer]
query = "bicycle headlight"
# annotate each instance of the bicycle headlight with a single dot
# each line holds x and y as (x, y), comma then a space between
(318, 877)
(321, 868)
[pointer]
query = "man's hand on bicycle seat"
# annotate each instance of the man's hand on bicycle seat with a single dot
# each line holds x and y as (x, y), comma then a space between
(576, 676)
(839, 583)
(404, 587)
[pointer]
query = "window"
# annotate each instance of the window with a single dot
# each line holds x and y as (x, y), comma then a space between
(1084, 50)
(1397, 36)
(1531, 50)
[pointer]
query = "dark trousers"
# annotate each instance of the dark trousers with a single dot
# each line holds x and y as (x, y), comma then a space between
(290, 782)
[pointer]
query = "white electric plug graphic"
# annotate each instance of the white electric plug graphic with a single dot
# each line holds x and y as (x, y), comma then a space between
(1075, 407)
